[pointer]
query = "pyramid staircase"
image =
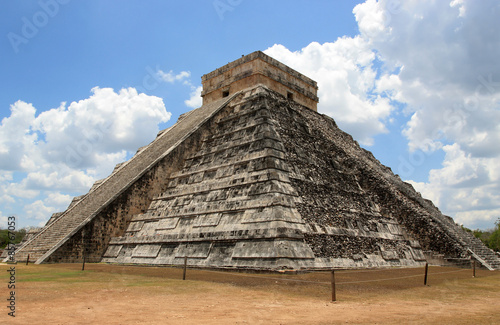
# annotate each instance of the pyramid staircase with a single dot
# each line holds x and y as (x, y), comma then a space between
(475, 247)
(54, 235)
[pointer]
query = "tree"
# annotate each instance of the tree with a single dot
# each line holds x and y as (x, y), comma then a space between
(490, 237)
(484, 235)
(4, 237)
(494, 240)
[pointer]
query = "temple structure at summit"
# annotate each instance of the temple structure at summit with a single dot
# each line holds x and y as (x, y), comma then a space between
(255, 178)
(259, 69)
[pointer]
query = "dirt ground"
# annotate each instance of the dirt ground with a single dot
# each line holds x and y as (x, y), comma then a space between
(110, 294)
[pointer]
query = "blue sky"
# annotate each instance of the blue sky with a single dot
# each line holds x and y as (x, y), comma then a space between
(85, 83)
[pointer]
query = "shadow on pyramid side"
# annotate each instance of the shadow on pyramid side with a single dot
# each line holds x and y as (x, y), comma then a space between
(254, 180)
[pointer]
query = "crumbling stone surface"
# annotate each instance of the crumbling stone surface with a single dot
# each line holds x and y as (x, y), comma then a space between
(344, 186)
(349, 246)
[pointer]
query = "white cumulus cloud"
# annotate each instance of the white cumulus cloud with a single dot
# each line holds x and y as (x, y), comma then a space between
(65, 149)
(449, 78)
(39, 211)
(347, 83)
(171, 77)
(195, 99)
(448, 54)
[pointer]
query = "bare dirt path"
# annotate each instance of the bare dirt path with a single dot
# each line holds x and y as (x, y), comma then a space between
(63, 294)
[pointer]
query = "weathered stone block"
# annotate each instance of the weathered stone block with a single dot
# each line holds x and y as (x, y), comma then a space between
(146, 251)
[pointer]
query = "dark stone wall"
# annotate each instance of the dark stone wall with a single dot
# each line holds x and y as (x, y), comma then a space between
(344, 186)
(350, 246)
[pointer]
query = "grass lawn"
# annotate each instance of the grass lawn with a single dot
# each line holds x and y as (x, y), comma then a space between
(112, 294)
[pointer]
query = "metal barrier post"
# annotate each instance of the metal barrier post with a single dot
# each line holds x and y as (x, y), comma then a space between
(334, 295)
(426, 270)
(185, 266)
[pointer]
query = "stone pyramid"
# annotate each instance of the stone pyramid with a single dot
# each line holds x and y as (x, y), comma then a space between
(254, 179)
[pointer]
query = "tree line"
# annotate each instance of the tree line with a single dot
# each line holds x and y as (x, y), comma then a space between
(4, 237)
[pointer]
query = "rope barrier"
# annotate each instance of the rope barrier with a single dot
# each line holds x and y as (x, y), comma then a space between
(341, 272)
(265, 277)
(377, 270)
(348, 282)
(398, 278)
